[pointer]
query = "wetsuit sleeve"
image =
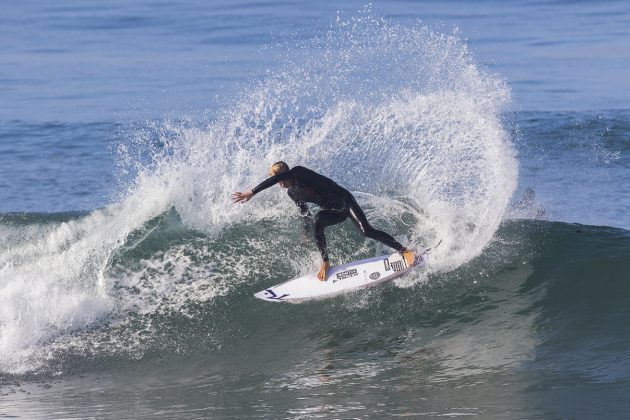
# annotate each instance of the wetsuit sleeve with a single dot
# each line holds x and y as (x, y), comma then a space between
(304, 211)
(273, 180)
(307, 217)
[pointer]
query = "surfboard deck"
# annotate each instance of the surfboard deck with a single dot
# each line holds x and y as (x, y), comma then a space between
(342, 279)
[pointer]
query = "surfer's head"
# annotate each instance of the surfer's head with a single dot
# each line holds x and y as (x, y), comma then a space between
(278, 168)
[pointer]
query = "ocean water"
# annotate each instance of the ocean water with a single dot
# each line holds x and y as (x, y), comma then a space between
(127, 274)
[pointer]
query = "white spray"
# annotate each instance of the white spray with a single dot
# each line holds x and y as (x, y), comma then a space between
(400, 115)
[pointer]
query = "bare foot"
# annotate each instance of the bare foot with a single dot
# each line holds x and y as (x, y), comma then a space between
(409, 257)
(323, 271)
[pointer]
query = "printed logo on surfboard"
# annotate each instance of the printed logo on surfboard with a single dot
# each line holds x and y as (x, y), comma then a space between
(398, 265)
(395, 263)
(272, 295)
(346, 274)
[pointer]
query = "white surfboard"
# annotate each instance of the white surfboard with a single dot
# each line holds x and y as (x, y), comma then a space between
(342, 279)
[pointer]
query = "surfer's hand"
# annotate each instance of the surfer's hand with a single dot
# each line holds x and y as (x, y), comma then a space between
(242, 197)
(323, 271)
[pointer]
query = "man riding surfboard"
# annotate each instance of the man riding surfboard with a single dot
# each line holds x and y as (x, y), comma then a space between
(336, 203)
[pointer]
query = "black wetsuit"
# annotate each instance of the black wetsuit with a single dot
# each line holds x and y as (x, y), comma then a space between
(336, 202)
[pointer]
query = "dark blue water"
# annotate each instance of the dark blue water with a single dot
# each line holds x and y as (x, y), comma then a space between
(94, 61)
(126, 275)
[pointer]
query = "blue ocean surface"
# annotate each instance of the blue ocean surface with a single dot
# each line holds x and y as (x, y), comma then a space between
(127, 274)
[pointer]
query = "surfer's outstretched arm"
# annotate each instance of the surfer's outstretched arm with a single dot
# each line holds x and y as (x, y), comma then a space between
(289, 175)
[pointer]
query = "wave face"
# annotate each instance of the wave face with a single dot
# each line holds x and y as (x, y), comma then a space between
(546, 303)
(400, 115)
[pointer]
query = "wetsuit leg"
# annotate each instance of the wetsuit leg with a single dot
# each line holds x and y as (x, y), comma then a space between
(358, 218)
(322, 219)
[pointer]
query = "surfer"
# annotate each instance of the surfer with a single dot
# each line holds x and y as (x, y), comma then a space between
(337, 204)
